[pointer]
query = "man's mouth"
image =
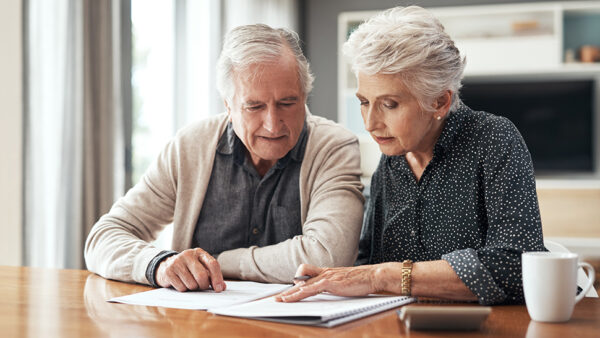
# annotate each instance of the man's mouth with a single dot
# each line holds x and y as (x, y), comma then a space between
(273, 138)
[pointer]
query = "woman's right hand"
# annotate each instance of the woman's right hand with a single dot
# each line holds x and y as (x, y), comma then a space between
(347, 281)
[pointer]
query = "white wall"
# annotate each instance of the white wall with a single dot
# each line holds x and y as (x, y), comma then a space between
(11, 132)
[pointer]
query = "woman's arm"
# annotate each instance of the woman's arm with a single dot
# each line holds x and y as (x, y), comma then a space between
(428, 279)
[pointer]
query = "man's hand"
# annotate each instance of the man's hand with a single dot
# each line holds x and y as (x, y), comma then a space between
(192, 269)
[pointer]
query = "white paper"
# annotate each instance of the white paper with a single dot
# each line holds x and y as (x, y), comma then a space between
(236, 293)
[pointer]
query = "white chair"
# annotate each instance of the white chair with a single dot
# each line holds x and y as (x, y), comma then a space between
(582, 278)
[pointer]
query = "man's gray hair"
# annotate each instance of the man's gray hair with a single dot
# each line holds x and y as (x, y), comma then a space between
(259, 43)
(410, 42)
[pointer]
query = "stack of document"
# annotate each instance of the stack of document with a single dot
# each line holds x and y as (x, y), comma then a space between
(252, 300)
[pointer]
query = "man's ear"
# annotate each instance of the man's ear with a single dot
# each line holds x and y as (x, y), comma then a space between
(442, 104)
(228, 109)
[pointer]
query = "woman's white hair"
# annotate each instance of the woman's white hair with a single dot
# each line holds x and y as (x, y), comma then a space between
(410, 42)
(251, 44)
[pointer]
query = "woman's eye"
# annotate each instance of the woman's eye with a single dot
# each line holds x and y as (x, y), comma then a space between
(390, 105)
(364, 103)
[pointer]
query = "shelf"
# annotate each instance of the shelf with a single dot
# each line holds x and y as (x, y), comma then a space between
(565, 69)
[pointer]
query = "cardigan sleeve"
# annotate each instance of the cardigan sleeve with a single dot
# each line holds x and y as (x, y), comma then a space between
(118, 245)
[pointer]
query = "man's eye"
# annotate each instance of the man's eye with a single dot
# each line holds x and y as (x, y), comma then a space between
(364, 103)
(287, 104)
(390, 105)
(253, 108)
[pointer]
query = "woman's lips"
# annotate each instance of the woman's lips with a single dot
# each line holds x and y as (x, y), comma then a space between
(383, 140)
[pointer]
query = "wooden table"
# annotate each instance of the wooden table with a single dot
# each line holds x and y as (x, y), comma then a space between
(72, 303)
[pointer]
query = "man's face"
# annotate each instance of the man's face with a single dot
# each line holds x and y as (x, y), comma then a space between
(267, 110)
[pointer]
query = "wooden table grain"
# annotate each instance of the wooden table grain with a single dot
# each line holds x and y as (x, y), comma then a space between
(72, 303)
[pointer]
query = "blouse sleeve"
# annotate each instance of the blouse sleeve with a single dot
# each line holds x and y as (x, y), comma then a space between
(493, 272)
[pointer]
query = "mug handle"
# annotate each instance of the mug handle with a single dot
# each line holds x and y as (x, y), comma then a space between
(591, 274)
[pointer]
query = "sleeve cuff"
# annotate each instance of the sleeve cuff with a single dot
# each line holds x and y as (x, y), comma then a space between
(153, 265)
(475, 275)
(230, 263)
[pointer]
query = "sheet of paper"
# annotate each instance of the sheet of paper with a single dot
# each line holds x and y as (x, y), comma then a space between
(236, 293)
(322, 305)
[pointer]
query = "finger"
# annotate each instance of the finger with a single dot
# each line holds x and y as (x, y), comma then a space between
(174, 281)
(199, 273)
(186, 276)
(308, 270)
(291, 290)
(305, 291)
(214, 271)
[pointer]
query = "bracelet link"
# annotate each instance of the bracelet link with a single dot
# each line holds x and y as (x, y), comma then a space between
(406, 274)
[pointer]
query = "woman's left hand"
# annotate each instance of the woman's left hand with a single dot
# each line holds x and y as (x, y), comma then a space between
(349, 281)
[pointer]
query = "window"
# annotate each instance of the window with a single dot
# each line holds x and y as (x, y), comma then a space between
(175, 47)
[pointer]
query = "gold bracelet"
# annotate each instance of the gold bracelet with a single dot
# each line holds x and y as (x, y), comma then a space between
(406, 272)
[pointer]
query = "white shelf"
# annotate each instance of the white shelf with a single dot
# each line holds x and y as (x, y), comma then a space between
(565, 69)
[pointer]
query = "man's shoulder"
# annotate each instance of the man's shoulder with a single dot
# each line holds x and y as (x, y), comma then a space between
(202, 130)
(322, 130)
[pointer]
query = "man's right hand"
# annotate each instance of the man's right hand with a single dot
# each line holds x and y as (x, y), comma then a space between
(192, 269)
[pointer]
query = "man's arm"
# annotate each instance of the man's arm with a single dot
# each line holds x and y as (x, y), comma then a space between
(118, 245)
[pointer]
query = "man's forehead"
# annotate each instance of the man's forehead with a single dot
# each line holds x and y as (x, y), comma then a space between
(252, 100)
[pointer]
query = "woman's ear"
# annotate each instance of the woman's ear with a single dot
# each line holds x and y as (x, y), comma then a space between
(442, 104)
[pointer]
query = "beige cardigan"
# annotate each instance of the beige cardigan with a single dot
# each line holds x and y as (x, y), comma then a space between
(173, 188)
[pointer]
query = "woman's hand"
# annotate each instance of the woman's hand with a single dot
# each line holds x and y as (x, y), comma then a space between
(349, 281)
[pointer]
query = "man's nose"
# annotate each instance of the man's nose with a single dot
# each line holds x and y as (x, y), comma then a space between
(272, 121)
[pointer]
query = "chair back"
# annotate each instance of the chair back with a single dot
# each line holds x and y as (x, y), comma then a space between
(582, 278)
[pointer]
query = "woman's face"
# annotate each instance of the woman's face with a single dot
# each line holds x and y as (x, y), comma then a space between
(393, 116)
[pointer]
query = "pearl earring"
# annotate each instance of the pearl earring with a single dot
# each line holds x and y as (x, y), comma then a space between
(439, 118)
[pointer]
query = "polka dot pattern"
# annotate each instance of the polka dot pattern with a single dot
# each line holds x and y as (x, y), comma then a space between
(475, 206)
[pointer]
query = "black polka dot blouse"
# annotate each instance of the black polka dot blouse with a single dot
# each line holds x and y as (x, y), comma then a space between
(475, 207)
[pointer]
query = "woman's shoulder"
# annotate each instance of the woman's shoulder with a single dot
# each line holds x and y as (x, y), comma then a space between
(495, 136)
(489, 128)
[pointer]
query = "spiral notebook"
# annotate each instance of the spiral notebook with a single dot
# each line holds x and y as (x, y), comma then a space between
(323, 310)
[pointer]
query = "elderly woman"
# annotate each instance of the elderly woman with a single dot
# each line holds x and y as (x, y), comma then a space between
(453, 201)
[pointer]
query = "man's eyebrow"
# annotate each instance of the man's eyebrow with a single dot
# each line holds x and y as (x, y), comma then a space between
(289, 98)
(251, 103)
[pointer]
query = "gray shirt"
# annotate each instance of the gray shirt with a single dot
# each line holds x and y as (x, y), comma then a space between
(241, 209)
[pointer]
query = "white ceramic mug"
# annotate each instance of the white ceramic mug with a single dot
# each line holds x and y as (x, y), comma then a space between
(550, 284)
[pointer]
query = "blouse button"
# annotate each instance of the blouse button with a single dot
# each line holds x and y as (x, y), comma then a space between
(255, 231)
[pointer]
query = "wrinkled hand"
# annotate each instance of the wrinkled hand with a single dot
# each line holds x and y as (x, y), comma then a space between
(349, 281)
(192, 269)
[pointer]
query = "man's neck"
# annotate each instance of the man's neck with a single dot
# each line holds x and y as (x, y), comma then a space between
(262, 166)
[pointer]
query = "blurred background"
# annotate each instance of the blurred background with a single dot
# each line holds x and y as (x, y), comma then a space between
(91, 90)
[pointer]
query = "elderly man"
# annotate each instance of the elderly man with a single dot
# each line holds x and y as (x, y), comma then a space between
(252, 193)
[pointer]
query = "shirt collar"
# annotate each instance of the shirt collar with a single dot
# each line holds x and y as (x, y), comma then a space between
(454, 124)
(230, 144)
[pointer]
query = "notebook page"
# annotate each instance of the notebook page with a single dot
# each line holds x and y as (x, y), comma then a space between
(236, 292)
(324, 306)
